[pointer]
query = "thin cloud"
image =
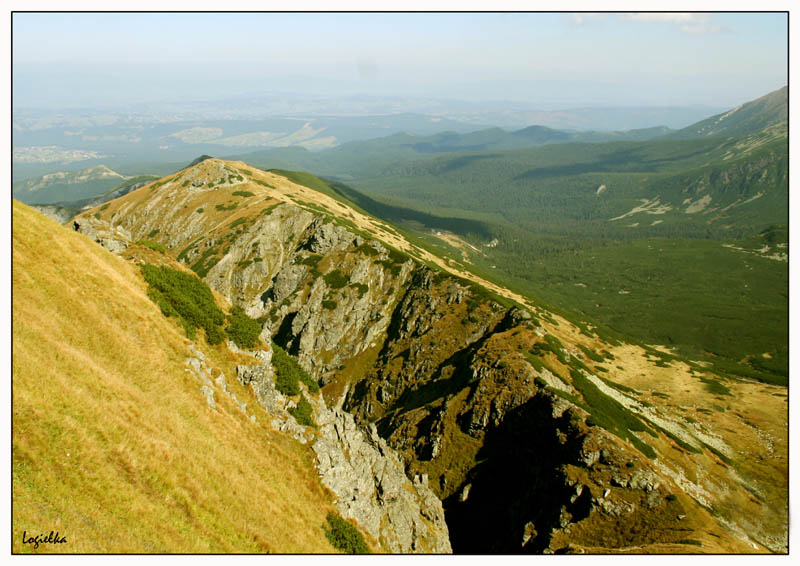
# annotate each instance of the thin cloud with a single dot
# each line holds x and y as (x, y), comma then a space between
(668, 18)
(580, 19)
(688, 22)
(701, 29)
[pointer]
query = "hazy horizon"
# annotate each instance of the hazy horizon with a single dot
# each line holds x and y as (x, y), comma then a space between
(542, 61)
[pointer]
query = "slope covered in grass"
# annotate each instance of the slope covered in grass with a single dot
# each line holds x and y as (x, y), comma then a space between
(114, 445)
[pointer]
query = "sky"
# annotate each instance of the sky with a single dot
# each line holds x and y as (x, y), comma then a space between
(541, 59)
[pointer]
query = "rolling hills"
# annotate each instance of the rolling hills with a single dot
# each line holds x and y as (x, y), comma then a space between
(67, 185)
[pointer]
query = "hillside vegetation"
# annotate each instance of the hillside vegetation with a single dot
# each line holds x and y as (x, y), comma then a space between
(635, 236)
(113, 444)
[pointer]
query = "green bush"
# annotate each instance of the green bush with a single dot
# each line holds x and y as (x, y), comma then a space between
(303, 413)
(289, 372)
(223, 207)
(155, 246)
(361, 288)
(336, 279)
(611, 415)
(199, 211)
(243, 193)
(237, 222)
(330, 305)
(201, 267)
(398, 256)
(366, 249)
(186, 297)
(715, 387)
(344, 536)
(312, 260)
(591, 354)
(242, 329)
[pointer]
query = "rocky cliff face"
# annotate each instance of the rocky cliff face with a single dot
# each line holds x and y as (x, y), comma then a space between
(364, 474)
(486, 406)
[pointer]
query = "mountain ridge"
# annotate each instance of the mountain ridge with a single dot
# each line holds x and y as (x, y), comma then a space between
(438, 349)
(747, 118)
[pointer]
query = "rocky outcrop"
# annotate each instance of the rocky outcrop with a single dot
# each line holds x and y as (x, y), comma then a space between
(370, 485)
(58, 213)
(114, 239)
(365, 475)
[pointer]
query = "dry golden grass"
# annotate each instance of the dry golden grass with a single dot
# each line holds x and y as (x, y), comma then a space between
(114, 446)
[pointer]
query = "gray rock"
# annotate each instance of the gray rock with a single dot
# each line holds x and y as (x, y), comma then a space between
(328, 237)
(370, 486)
(366, 477)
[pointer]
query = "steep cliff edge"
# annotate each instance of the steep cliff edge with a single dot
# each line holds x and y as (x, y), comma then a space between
(569, 442)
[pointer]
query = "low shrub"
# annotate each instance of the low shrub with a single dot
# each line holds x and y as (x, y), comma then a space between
(243, 193)
(243, 330)
(591, 354)
(303, 413)
(201, 266)
(361, 288)
(312, 260)
(366, 249)
(187, 298)
(289, 372)
(336, 279)
(344, 536)
(611, 415)
(238, 222)
(715, 387)
(155, 246)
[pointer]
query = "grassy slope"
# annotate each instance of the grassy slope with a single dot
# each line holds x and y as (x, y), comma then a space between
(113, 443)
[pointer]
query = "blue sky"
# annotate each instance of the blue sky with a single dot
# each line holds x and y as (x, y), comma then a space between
(573, 59)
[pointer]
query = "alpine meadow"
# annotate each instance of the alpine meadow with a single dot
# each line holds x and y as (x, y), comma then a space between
(411, 288)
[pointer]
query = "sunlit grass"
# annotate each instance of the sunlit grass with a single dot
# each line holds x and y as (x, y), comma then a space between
(113, 443)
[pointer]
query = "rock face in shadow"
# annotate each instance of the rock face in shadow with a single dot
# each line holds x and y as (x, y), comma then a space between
(520, 483)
